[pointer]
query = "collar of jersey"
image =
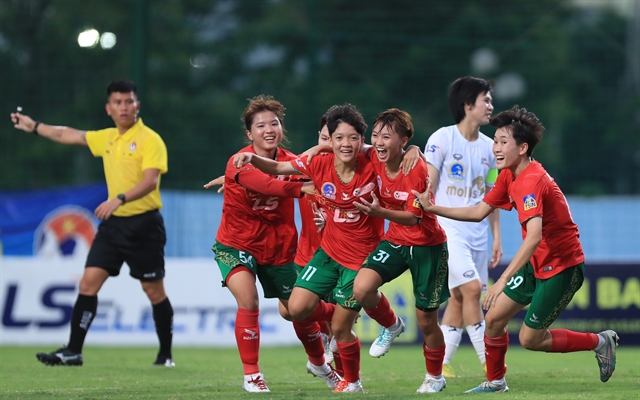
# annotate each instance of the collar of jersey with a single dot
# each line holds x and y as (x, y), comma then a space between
(132, 131)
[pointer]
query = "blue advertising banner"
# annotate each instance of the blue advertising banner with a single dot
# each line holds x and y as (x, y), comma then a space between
(55, 223)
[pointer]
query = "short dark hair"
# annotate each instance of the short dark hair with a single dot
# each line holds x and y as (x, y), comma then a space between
(399, 121)
(325, 116)
(121, 86)
(465, 91)
(348, 114)
(524, 126)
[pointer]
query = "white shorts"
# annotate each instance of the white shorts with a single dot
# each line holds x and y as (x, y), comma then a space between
(466, 265)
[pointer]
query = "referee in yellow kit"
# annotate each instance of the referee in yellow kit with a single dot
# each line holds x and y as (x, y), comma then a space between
(132, 228)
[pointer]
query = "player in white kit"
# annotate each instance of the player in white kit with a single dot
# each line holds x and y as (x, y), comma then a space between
(462, 169)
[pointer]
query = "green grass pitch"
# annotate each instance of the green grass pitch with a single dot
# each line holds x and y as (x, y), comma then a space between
(216, 373)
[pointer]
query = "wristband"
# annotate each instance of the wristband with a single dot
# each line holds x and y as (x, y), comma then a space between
(35, 128)
(122, 198)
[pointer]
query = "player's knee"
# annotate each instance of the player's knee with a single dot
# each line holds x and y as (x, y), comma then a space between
(284, 312)
(530, 342)
(299, 312)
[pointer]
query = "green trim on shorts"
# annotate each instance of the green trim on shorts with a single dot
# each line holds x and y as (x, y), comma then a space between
(428, 265)
(277, 281)
(329, 280)
(546, 298)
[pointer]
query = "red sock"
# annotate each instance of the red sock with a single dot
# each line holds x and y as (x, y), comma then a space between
(350, 353)
(248, 339)
(434, 358)
(496, 350)
(309, 335)
(324, 328)
(565, 341)
(337, 360)
(382, 314)
(322, 313)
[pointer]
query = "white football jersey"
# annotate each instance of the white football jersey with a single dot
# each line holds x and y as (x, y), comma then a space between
(466, 169)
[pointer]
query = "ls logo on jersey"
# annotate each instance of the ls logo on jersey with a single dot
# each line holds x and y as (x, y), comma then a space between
(456, 170)
(329, 190)
(529, 202)
(432, 148)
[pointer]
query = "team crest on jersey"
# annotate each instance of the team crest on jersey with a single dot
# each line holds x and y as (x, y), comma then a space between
(456, 170)
(529, 202)
(300, 164)
(132, 146)
(329, 190)
(400, 195)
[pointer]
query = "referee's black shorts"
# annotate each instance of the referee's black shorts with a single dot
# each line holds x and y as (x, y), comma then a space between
(137, 240)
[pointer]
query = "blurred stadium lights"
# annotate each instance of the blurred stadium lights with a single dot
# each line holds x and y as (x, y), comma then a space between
(483, 61)
(509, 86)
(108, 40)
(88, 38)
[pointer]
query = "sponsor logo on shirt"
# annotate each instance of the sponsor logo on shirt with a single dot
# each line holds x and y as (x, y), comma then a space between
(432, 148)
(387, 192)
(456, 171)
(416, 203)
(300, 164)
(400, 195)
(132, 146)
(346, 197)
(534, 319)
(469, 274)
(457, 156)
(529, 202)
(365, 189)
(328, 190)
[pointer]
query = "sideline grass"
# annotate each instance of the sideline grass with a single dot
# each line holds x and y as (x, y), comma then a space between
(208, 373)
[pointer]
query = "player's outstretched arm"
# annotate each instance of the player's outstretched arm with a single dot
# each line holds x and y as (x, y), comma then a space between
(215, 182)
(265, 165)
(60, 134)
(471, 214)
(523, 255)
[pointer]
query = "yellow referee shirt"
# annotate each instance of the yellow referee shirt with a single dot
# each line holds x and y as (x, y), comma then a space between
(124, 158)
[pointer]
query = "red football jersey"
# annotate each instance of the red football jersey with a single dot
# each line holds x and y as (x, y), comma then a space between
(262, 225)
(395, 194)
(309, 239)
(349, 235)
(534, 193)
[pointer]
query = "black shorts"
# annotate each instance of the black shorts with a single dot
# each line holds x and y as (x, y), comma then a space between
(137, 240)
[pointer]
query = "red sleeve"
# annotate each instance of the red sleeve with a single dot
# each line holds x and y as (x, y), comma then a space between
(530, 195)
(255, 180)
(417, 179)
(498, 196)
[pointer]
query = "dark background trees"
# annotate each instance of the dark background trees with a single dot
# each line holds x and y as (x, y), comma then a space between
(198, 61)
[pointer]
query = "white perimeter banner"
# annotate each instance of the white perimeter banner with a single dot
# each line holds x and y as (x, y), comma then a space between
(38, 295)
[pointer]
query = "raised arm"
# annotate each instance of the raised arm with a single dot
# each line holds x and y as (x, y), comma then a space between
(265, 165)
(60, 134)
